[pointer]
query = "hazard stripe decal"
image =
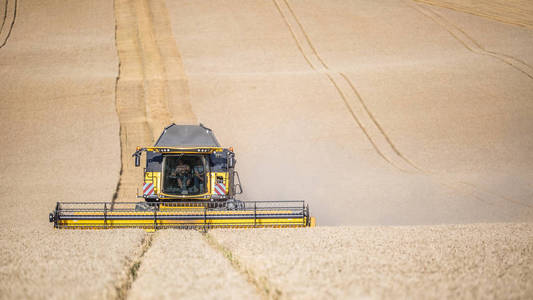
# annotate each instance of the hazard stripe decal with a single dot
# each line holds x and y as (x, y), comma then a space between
(220, 189)
(148, 188)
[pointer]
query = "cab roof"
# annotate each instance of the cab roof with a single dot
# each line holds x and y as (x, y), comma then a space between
(187, 136)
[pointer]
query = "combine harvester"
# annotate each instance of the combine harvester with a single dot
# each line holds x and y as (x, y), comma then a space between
(189, 182)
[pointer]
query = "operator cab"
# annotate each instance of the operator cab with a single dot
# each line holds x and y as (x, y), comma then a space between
(184, 174)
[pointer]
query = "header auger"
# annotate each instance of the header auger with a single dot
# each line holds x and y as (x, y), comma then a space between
(190, 181)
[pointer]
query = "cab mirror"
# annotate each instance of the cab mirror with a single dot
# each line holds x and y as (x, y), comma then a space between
(231, 161)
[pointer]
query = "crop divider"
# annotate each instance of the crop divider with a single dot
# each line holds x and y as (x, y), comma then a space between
(303, 213)
(56, 215)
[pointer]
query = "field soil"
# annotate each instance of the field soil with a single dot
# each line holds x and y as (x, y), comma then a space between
(375, 113)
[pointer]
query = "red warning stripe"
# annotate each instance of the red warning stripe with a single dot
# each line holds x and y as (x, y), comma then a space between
(148, 188)
(220, 189)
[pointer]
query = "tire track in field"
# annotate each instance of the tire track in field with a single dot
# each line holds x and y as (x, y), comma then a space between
(470, 43)
(351, 98)
(151, 92)
(368, 123)
(473, 46)
(262, 285)
(4, 16)
(10, 6)
(148, 62)
(508, 12)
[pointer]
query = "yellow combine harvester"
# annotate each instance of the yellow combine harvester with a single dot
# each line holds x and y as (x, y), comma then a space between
(189, 182)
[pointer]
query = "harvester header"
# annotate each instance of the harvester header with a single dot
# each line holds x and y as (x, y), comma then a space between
(189, 181)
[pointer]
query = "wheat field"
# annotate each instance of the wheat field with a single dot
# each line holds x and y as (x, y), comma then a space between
(406, 126)
(432, 262)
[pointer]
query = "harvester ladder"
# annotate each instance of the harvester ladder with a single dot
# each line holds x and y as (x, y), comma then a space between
(150, 178)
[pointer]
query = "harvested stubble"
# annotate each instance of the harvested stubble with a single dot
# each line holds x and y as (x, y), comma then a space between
(182, 265)
(497, 37)
(50, 264)
(460, 114)
(448, 261)
(517, 12)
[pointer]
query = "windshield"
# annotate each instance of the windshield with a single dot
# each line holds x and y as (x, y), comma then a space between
(184, 175)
